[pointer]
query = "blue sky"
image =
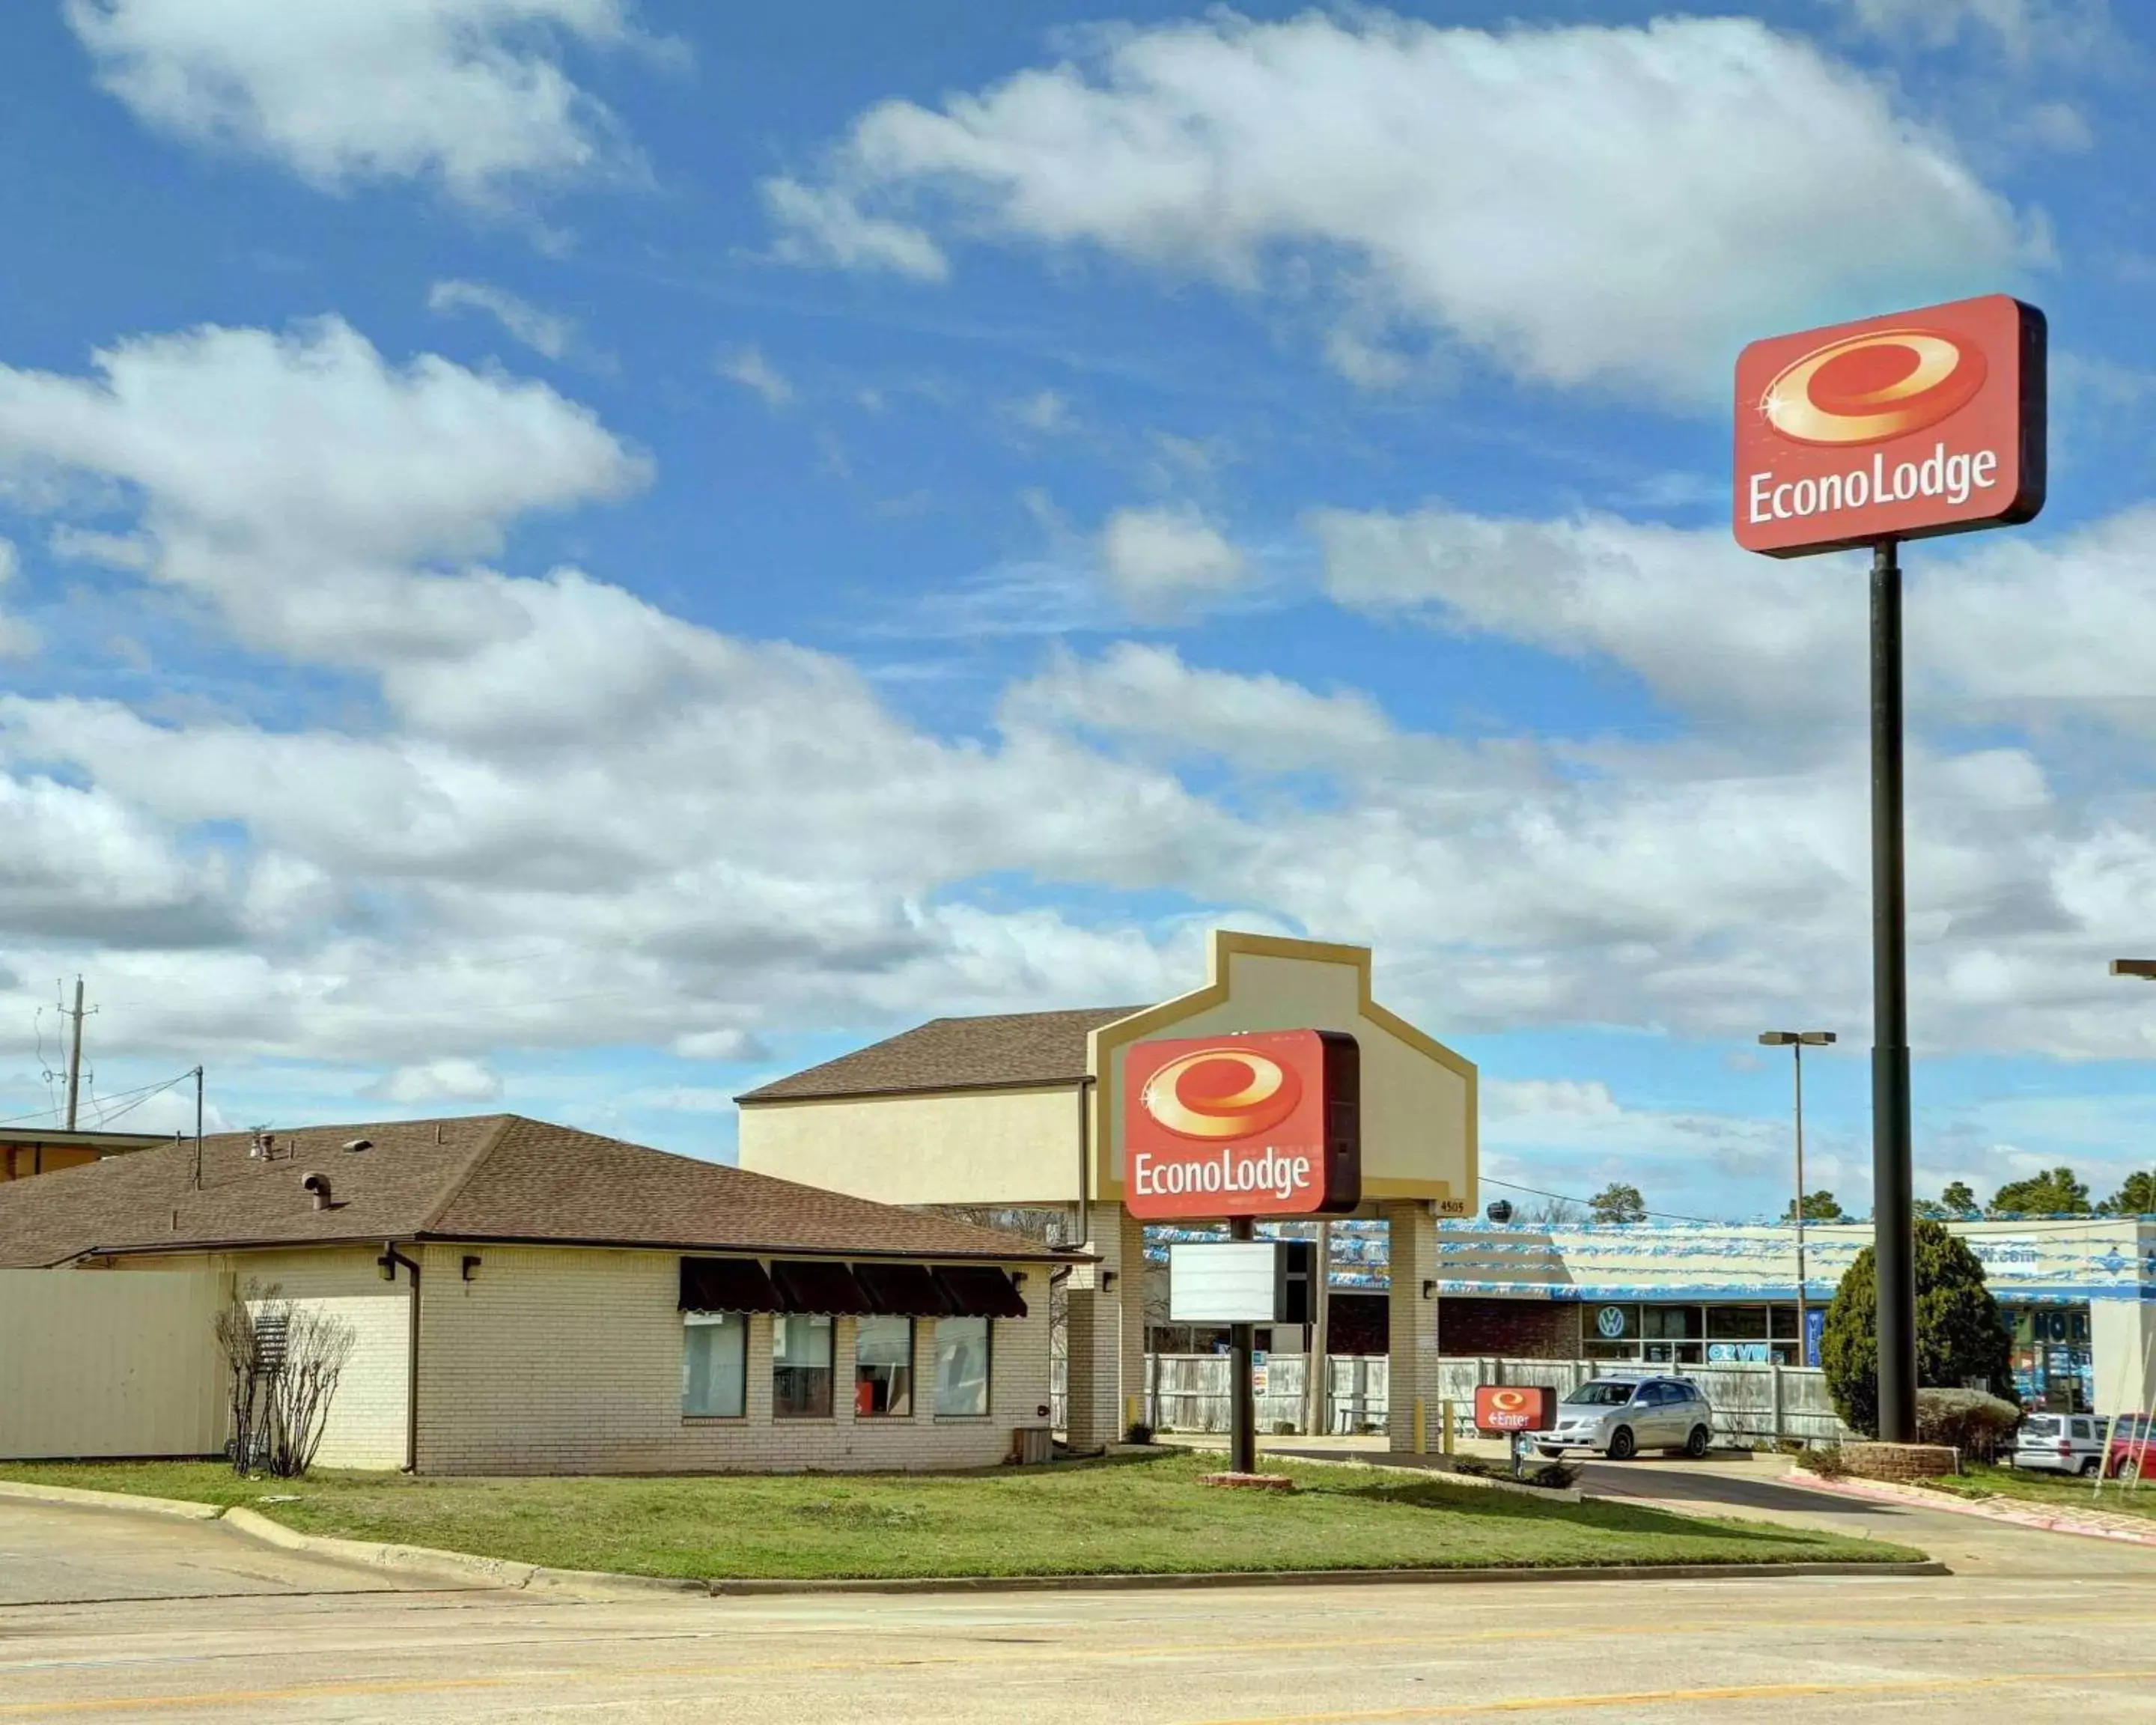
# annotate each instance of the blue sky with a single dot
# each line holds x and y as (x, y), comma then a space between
(575, 556)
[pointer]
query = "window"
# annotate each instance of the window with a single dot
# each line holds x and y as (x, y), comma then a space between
(883, 1367)
(1673, 1322)
(801, 1366)
(714, 1364)
(961, 1366)
(1736, 1323)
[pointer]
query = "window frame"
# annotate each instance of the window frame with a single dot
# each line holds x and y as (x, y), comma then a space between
(988, 1370)
(912, 1357)
(712, 1321)
(829, 1327)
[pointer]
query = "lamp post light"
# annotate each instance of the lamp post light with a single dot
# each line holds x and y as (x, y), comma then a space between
(1797, 1041)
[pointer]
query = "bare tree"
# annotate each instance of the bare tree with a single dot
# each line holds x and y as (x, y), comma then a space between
(284, 1363)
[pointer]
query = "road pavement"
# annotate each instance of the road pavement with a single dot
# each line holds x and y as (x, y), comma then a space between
(268, 1636)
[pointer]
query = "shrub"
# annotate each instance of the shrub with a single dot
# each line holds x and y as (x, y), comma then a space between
(1827, 1461)
(1968, 1421)
(1139, 1433)
(1960, 1339)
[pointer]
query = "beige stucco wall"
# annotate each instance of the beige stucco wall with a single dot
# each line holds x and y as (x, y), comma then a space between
(989, 1148)
(94, 1363)
(565, 1360)
(1419, 1136)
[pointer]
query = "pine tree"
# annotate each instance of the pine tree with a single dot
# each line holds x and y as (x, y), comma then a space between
(1960, 1338)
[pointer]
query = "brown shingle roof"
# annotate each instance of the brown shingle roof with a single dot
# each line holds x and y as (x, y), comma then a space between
(1007, 1048)
(485, 1177)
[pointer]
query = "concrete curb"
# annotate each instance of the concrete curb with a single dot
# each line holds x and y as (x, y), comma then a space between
(1313, 1578)
(1985, 1509)
(108, 1500)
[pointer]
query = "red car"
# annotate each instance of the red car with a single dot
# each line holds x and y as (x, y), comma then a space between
(2132, 1454)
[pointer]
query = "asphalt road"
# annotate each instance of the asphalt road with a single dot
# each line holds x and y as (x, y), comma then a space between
(1970, 1648)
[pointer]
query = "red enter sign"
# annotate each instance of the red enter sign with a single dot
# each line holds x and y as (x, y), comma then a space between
(1503, 1408)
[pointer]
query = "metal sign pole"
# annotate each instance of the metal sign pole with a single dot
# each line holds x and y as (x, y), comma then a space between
(1242, 1401)
(1893, 1200)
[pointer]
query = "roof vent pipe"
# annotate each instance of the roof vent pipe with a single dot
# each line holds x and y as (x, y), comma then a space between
(319, 1187)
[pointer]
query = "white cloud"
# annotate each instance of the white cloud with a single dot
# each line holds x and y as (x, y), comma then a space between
(452, 1079)
(17, 638)
(470, 92)
(563, 817)
(2021, 28)
(748, 368)
(725, 1045)
(296, 481)
(2013, 629)
(826, 226)
(1584, 205)
(1045, 412)
(543, 331)
(1158, 559)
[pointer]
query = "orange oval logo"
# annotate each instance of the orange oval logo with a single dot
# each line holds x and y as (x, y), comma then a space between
(1220, 1093)
(1508, 1401)
(1865, 389)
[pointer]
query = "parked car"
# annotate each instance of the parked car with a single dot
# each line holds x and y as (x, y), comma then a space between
(1618, 1417)
(2060, 1443)
(2132, 1449)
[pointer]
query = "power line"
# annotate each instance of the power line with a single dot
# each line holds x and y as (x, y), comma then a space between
(1588, 1204)
(141, 1090)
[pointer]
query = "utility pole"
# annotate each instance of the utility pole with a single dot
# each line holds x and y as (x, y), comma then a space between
(74, 1057)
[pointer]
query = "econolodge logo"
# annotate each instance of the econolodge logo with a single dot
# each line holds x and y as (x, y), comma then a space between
(1865, 389)
(1897, 428)
(1221, 1093)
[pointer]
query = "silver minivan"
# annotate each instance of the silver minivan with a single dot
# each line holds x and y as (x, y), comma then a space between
(1622, 1416)
(2060, 1443)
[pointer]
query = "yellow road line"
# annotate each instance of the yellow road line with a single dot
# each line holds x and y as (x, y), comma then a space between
(1031, 1652)
(1646, 1697)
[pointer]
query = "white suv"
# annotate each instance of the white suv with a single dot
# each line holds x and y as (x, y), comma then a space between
(2060, 1443)
(1621, 1416)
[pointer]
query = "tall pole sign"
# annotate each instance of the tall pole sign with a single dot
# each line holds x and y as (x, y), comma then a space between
(1869, 433)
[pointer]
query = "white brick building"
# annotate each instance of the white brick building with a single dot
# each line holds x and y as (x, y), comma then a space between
(529, 1299)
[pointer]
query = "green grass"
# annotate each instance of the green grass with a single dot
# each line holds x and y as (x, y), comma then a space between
(1148, 1516)
(2051, 1491)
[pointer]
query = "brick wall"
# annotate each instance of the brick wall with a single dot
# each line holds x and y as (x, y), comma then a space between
(366, 1422)
(1898, 1461)
(1510, 1329)
(565, 1360)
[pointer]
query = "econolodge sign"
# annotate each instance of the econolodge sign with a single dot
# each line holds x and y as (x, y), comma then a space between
(1895, 428)
(1266, 1123)
(1514, 1408)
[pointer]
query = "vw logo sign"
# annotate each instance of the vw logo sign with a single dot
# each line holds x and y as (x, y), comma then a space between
(1610, 1321)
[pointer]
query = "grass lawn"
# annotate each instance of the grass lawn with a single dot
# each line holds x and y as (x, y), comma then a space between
(1148, 1516)
(2052, 1491)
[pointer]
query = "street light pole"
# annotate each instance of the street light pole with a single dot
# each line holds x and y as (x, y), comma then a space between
(2144, 968)
(1797, 1041)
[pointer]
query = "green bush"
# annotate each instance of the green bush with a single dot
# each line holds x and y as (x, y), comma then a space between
(1969, 1421)
(1960, 1339)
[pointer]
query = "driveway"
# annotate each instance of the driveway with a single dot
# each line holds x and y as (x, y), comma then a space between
(51, 1554)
